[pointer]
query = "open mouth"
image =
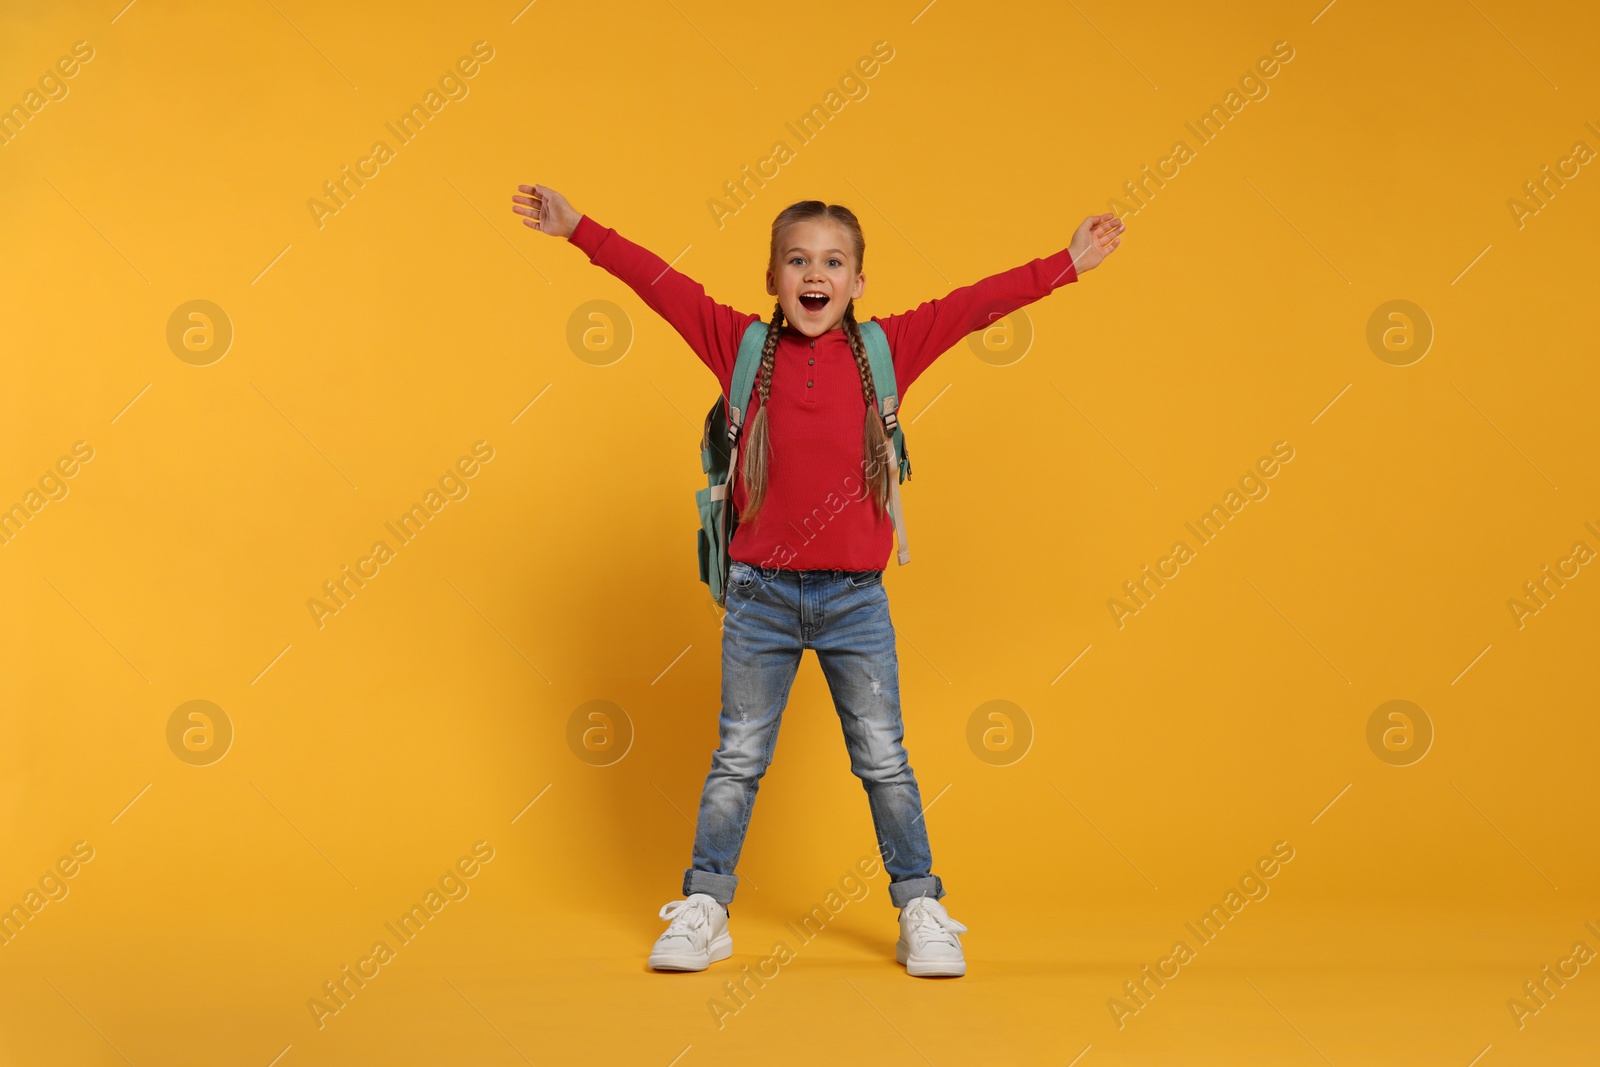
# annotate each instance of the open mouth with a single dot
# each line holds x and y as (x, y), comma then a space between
(813, 301)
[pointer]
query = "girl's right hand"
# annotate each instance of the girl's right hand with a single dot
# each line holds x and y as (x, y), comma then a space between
(547, 210)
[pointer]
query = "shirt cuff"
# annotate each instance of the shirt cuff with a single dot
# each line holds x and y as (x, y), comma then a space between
(1062, 269)
(587, 235)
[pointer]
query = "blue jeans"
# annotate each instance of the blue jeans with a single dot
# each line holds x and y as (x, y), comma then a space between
(773, 616)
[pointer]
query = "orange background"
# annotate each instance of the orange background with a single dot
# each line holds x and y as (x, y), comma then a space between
(370, 353)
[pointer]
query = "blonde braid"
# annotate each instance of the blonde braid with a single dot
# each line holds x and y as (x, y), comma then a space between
(759, 449)
(874, 440)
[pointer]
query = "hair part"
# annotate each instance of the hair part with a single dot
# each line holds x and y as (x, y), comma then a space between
(877, 469)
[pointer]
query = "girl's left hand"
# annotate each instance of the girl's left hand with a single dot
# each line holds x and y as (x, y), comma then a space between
(1095, 239)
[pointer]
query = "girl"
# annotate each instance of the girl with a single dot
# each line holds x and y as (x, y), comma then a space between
(807, 558)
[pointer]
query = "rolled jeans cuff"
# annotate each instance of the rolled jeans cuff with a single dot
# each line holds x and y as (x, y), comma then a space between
(719, 887)
(903, 893)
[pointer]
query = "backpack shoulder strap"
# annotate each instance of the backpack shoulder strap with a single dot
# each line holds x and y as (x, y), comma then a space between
(883, 384)
(721, 462)
(744, 375)
(882, 362)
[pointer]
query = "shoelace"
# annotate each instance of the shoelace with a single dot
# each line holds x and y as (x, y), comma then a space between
(688, 917)
(927, 921)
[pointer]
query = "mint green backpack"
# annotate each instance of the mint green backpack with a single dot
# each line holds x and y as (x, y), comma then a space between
(719, 450)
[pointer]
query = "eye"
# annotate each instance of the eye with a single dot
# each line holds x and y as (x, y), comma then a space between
(797, 259)
(836, 262)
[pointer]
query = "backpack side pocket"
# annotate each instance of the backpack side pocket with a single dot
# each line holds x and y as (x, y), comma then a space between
(713, 553)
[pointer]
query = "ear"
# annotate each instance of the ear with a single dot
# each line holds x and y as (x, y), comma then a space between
(859, 287)
(772, 284)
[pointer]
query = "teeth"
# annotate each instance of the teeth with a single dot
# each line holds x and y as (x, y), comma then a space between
(813, 293)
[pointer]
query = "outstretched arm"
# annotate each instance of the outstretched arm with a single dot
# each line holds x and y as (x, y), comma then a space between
(712, 329)
(922, 335)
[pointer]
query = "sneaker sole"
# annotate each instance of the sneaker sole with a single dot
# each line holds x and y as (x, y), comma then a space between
(928, 968)
(720, 949)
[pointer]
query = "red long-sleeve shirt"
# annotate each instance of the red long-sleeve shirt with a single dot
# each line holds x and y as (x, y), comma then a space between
(817, 514)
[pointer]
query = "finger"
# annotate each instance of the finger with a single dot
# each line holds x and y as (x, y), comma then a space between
(528, 211)
(530, 201)
(531, 222)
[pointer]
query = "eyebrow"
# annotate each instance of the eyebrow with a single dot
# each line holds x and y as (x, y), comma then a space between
(797, 248)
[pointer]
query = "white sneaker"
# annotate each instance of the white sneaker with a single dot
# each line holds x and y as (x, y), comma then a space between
(928, 945)
(696, 937)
